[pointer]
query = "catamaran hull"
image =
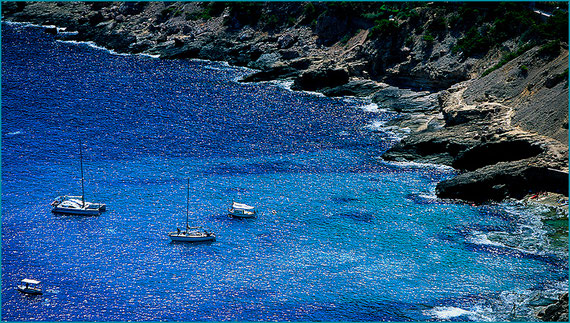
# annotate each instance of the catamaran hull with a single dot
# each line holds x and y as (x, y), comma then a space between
(89, 212)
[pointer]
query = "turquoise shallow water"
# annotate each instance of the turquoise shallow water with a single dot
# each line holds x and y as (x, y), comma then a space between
(341, 235)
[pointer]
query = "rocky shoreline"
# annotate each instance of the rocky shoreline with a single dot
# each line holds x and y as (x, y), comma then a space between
(556, 312)
(505, 130)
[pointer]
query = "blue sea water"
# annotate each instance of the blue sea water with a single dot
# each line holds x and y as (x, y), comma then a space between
(340, 235)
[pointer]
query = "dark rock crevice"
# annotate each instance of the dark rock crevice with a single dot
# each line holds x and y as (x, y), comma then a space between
(491, 153)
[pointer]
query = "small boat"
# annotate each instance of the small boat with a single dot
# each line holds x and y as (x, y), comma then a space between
(191, 234)
(240, 210)
(30, 286)
(76, 205)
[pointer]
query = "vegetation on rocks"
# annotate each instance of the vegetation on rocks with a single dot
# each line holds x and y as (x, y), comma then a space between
(507, 58)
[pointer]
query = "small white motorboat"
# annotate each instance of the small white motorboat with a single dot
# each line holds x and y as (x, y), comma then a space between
(30, 286)
(240, 210)
(191, 234)
(76, 205)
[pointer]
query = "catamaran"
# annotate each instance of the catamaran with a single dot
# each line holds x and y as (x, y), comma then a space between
(30, 286)
(77, 205)
(191, 234)
(240, 210)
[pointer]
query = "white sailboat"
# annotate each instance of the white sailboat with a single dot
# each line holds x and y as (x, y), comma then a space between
(191, 234)
(76, 205)
(240, 210)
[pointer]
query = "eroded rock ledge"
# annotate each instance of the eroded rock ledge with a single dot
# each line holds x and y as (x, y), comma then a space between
(497, 135)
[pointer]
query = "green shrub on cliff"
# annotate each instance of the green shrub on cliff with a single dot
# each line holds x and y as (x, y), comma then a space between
(438, 24)
(209, 10)
(408, 13)
(310, 13)
(556, 27)
(383, 27)
(473, 42)
(345, 39)
(374, 15)
(270, 20)
(551, 48)
(493, 23)
(509, 57)
(246, 13)
(428, 37)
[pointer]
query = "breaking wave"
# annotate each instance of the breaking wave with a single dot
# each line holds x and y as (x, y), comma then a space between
(450, 312)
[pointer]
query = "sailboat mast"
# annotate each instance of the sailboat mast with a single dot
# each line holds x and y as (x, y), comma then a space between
(187, 202)
(82, 180)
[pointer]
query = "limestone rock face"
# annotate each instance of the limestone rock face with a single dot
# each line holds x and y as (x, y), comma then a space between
(330, 28)
(286, 41)
(355, 88)
(265, 61)
(405, 100)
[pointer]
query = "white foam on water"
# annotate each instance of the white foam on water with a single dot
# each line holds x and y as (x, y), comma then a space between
(523, 242)
(378, 125)
(68, 32)
(450, 312)
(411, 164)
(149, 55)
(23, 24)
(284, 84)
(60, 30)
(429, 197)
(481, 238)
(221, 65)
(110, 51)
(201, 60)
(53, 290)
(446, 313)
(92, 45)
(393, 132)
(319, 94)
(14, 133)
(531, 234)
(373, 107)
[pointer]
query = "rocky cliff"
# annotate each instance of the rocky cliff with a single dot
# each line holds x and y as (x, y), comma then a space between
(506, 130)
(483, 86)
